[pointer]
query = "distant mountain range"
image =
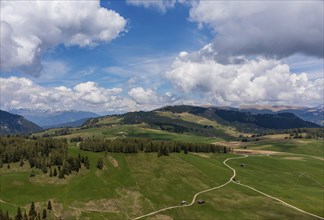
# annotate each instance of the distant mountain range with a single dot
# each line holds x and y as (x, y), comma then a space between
(16, 124)
(51, 119)
(312, 114)
(72, 124)
(168, 118)
(244, 120)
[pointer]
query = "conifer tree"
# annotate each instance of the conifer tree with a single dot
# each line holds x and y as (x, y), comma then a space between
(49, 205)
(100, 163)
(25, 216)
(6, 216)
(32, 212)
(55, 172)
(18, 215)
(44, 214)
(61, 174)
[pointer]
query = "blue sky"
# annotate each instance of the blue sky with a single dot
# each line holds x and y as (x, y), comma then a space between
(138, 55)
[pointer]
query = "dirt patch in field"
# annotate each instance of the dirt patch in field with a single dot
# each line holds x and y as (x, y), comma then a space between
(129, 202)
(17, 183)
(161, 217)
(294, 158)
(57, 208)
(108, 205)
(202, 155)
(266, 152)
(229, 144)
(113, 161)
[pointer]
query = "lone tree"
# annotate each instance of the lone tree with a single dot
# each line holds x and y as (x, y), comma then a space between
(18, 215)
(32, 212)
(44, 214)
(61, 174)
(100, 163)
(49, 205)
(25, 216)
(55, 172)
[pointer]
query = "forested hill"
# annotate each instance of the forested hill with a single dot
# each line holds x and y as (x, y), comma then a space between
(236, 117)
(16, 124)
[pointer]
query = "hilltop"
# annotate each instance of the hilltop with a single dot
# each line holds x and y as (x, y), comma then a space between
(16, 124)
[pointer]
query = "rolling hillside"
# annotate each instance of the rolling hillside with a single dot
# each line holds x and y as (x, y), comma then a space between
(48, 118)
(244, 120)
(314, 114)
(16, 124)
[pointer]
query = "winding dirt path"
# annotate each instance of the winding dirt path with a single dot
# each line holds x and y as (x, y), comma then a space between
(197, 194)
(229, 181)
(8, 203)
(279, 200)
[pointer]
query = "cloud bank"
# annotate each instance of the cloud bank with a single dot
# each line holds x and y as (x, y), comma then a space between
(269, 28)
(88, 96)
(23, 93)
(250, 81)
(161, 5)
(29, 28)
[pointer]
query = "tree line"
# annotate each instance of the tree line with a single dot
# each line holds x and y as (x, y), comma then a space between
(32, 213)
(135, 145)
(46, 154)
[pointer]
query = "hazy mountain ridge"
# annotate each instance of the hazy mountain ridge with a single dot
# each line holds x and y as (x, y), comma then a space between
(72, 124)
(16, 124)
(227, 115)
(312, 114)
(49, 118)
(169, 118)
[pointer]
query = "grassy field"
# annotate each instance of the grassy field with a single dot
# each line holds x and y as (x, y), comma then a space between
(297, 146)
(131, 185)
(136, 131)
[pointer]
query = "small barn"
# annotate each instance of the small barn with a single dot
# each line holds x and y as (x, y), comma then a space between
(183, 202)
(200, 201)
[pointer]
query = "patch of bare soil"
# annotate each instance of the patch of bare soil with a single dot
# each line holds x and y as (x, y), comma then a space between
(113, 161)
(161, 217)
(202, 155)
(294, 158)
(17, 183)
(130, 203)
(57, 208)
(229, 144)
(245, 151)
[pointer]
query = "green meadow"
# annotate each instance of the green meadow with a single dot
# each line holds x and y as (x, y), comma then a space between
(131, 185)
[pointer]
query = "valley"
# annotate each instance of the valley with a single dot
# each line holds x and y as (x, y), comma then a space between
(274, 177)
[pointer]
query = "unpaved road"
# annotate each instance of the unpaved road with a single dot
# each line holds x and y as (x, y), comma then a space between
(229, 181)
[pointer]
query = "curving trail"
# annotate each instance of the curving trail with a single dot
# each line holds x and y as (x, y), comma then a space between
(8, 203)
(229, 181)
(197, 194)
(279, 200)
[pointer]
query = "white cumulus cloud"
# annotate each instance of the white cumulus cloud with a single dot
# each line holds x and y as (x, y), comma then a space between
(23, 93)
(250, 81)
(29, 28)
(271, 28)
(161, 5)
(150, 98)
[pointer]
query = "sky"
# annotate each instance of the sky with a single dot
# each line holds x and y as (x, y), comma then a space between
(118, 56)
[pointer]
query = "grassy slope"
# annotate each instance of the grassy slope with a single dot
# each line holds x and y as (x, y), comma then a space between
(297, 146)
(143, 183)
(113, 126)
